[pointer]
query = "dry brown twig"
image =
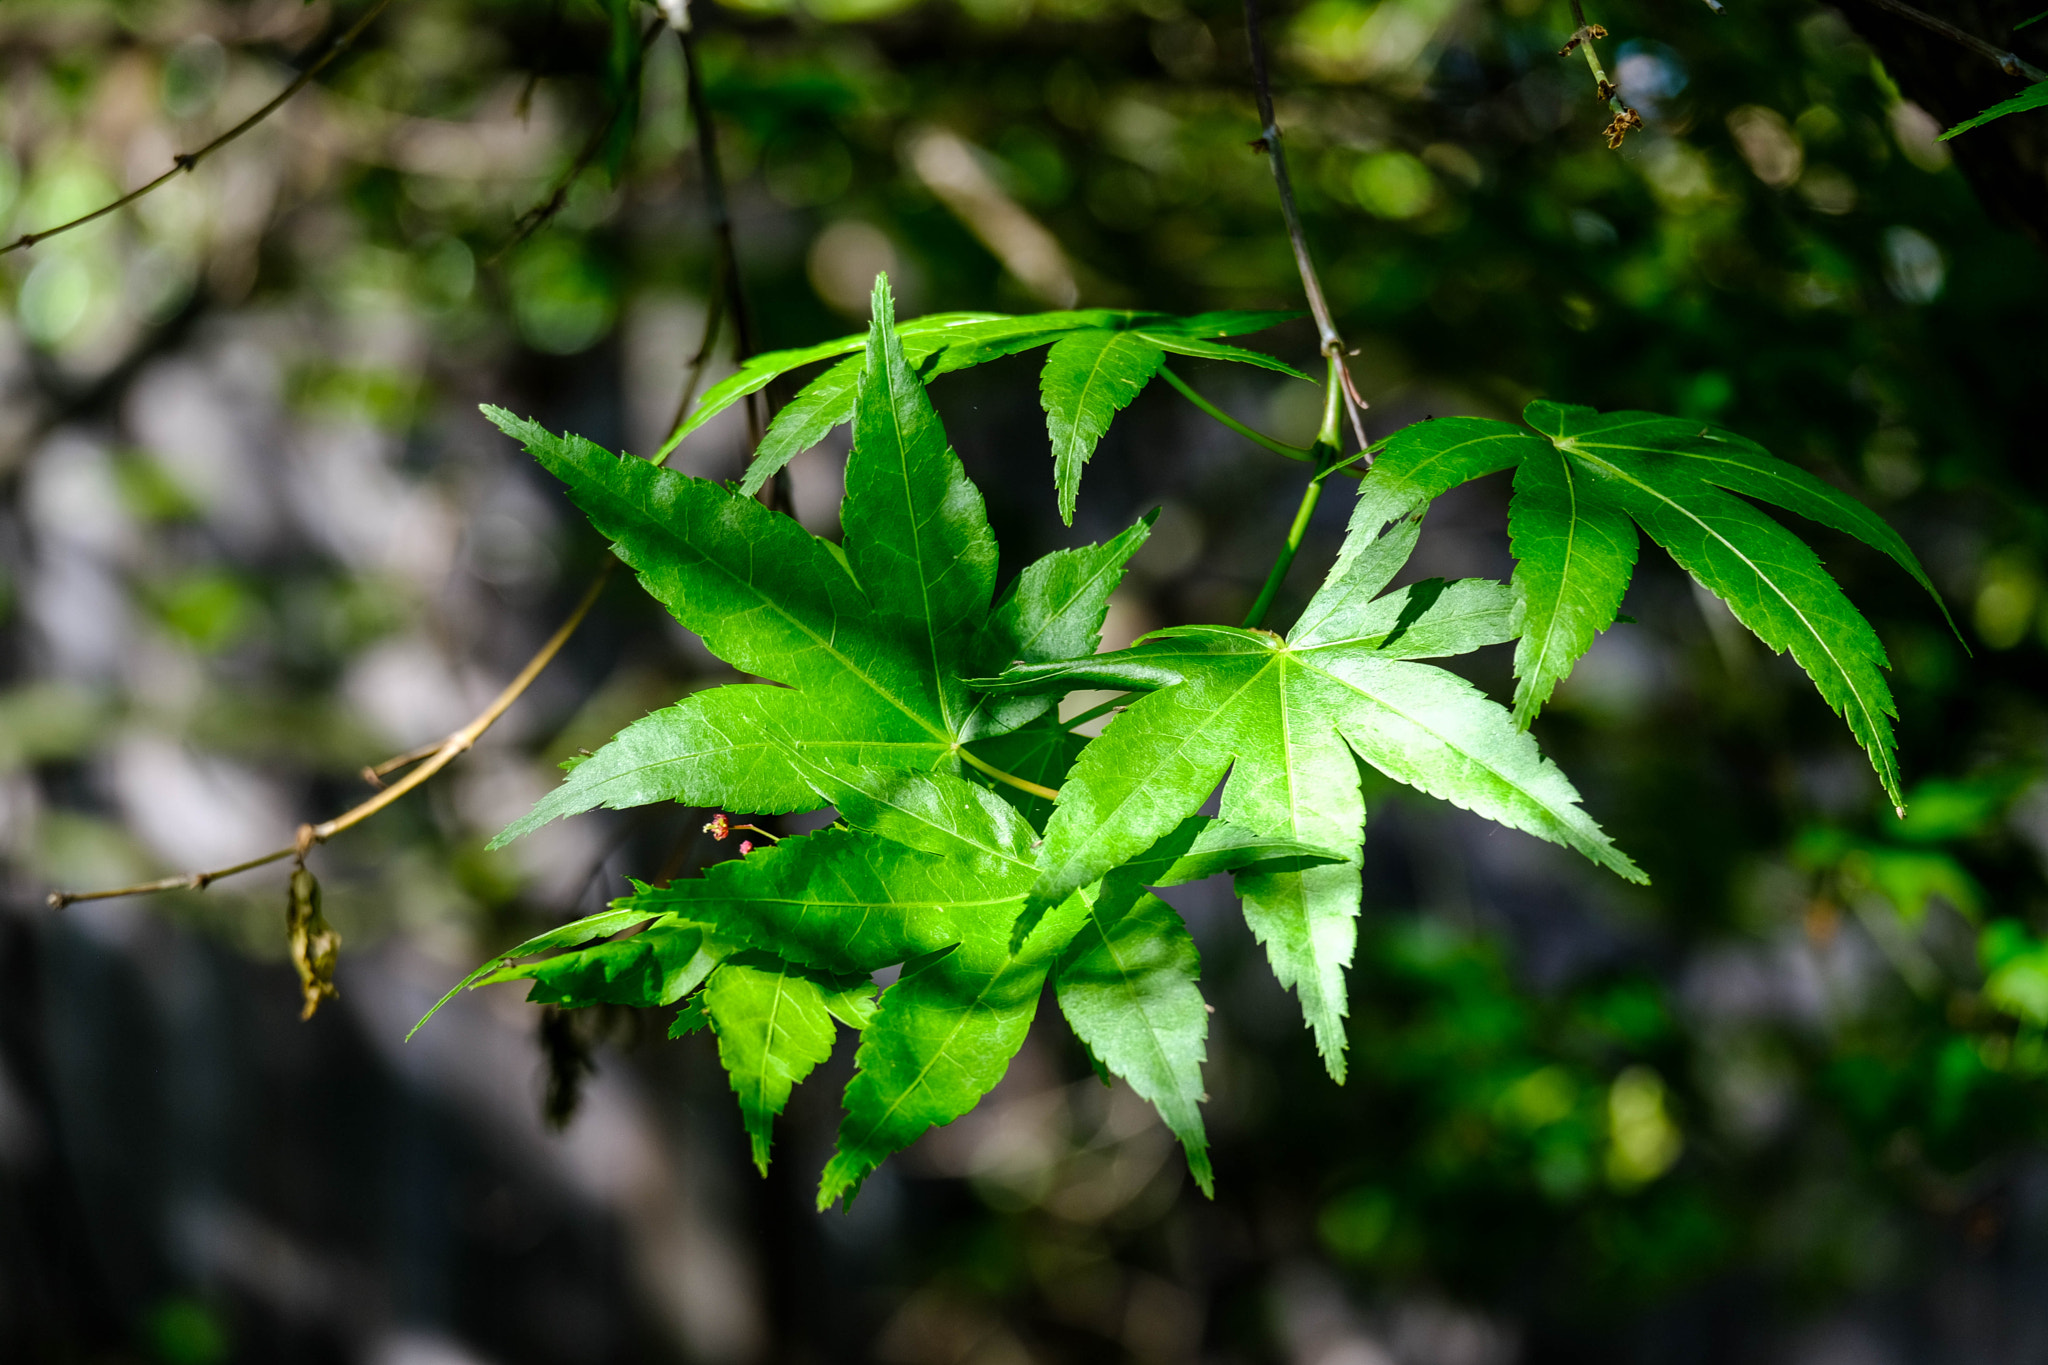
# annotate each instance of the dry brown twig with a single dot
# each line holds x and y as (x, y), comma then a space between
(720, 208)
(185, 161)
(1625, 120)
(441, 755)
(1330, 342)
(535, 218)
(2011, 63)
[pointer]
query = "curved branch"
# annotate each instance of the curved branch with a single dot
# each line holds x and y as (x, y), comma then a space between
(185, 161)
(535, 218)
(2011, 63)
(446, 752)
(1332, 344)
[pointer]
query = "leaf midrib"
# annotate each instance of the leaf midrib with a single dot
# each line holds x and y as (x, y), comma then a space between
(939, 673)
(1137, 1005)
(1610, 856)
(1072, 440)
(823, 643)
(1107, 568)
(1877, 533)
(1193, 732)
(768, 1052)
(966, 1012)
(1563, 580)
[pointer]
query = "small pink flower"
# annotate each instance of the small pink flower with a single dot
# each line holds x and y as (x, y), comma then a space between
(746, 847)
(719, 827)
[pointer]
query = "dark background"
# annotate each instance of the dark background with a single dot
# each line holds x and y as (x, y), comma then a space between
(253, 535)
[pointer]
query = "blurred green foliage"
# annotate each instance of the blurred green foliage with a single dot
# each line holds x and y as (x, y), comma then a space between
(1808, 1058)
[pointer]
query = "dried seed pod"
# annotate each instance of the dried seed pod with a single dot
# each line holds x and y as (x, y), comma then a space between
(314, 944)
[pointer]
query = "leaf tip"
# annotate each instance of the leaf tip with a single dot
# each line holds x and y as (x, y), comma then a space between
(881, 304)
(841, 1182)
(1200, 1169)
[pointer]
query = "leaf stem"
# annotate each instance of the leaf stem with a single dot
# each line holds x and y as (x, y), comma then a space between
(185, 161)
(1258, 438)
(1325, 455)
(1119, 700)
(1011, 779)
(1255, 618)
(444, 753)
(2011, 63)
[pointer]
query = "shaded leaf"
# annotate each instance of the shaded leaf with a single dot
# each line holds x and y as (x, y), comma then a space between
(1127, 987)
(1088, 378)
(1283, 719)
(2033, 97)
(775, 1025)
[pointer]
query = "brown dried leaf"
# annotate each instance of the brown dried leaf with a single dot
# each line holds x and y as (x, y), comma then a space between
(314, 943)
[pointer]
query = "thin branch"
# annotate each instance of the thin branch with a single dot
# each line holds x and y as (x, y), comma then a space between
(721, 218)
(2011, 63)
(446, 752)
(537, 217)
(185, 161)
(376, 774)
(1116, 703)
(1626, 120)
(714, 319)
(1332, 344)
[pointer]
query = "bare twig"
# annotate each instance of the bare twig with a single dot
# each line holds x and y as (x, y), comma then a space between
(1626, 120)
(714, 319)
(535, 218)
(2011, 63)
(376, 774)
(1332, 344)
(185, 161)
(446, 752)
(721, 219)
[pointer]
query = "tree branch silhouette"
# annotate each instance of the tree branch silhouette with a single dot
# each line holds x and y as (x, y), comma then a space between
(444, 753)
(185, 161)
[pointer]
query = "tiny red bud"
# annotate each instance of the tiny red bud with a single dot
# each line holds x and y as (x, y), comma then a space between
(746, 847)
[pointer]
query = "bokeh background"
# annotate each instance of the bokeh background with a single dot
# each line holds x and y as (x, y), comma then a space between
(1785, 1105)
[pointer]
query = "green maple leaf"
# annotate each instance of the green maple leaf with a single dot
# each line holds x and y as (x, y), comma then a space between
(1584, 483)
(598, 960)
(1099, 361)
(774, 1024)
(1127, 986)
(2033, 97)
(870, 639)
(1284, 719)
(932, 874)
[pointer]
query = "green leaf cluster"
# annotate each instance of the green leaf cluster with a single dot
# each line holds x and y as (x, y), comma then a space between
(982, 849)
(1097, 360)
(1586, 482)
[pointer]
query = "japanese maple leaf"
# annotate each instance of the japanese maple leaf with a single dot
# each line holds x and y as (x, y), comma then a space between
(1284, 718)
(1585, 481)
(1098, 360)
(870, 639)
